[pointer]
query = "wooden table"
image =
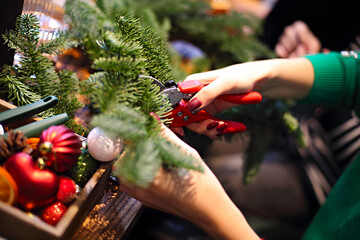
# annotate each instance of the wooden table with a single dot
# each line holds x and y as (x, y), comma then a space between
(112, 217)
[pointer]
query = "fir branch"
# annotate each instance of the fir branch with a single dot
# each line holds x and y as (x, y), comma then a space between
(226, 38)
(87, 23)
(86, 19)
(121, 64)
(139, 163)
(112, 8)
(125, 99)
(26, 35)
(261, 120)
(114, 88)
(124, 122)
(53, 47)
(154, 49)
(115, 45)
(173, 156)
(148, 18)
(256, 151)
(17, 92)
(35, 77)
(293, 127)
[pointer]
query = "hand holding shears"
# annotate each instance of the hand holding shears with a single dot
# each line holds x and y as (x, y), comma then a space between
(180, 94)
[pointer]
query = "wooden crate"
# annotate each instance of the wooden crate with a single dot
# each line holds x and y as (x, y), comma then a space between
(18, 224)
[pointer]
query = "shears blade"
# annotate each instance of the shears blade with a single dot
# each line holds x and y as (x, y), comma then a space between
(171, 90)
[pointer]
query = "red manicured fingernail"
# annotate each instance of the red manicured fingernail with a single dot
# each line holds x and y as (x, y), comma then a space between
(212, 125)
(155, 116)
(221, 127)
(179, 132)
(220, 134)
(193, 104)
(180, 135)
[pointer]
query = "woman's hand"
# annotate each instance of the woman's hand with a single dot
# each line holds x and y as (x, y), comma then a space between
(195, 196)
(274, 79)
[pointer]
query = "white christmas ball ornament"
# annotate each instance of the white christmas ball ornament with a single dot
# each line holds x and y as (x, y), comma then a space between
(102, 147)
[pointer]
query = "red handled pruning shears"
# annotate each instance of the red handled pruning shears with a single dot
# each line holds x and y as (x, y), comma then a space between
(180, 94)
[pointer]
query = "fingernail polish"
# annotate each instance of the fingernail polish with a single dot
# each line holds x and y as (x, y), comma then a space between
(220, 134)
(179, 132)
(180, 135)
(222, 127)
(154, 115)
(196, 111)
(212, 125)
(193, 104)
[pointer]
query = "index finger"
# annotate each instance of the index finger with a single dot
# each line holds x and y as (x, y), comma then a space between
(204, 77)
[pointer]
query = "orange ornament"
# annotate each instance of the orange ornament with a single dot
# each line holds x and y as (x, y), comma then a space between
(8, 189)
(33, 142)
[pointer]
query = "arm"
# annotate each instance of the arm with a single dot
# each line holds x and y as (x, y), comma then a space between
(274, 79)
(321, 79)
(197, 197)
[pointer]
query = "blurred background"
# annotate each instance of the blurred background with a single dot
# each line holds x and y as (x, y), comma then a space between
(275, 173)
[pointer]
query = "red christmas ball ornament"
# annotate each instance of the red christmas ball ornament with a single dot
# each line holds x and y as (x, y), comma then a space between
(37, 187)
(60, 147)
(53, 213)
(67, 190)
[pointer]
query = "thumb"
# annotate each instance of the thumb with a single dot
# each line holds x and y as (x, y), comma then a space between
(208, 94)
(203, 98)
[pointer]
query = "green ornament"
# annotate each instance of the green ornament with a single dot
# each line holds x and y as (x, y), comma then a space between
(84, 169)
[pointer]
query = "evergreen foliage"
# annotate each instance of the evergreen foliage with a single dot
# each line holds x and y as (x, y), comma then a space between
(268, 127)
(226, 38)
(35, 77)
(125, 54)
(125, 96)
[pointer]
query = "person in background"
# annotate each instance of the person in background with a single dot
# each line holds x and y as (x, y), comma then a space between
(293, 29)
(321, 79)
(298, 27)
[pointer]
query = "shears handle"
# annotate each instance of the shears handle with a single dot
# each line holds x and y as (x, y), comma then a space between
(182, 116)
(194, 86)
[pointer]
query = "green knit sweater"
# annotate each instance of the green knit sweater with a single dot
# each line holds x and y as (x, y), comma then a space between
(337, 84)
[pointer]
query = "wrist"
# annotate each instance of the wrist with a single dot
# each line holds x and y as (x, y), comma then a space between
(230, 224)
(221, 219)
(286, 79)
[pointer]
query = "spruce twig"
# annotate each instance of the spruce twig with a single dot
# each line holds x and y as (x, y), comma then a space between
(125, 99)
(35, 76)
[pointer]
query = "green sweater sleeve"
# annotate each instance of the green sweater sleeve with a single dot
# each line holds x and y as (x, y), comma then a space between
(336, 82)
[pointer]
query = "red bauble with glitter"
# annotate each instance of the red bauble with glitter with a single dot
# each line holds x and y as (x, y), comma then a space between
(60, 148)
(67, 190)
(37, 187)
(53, 213)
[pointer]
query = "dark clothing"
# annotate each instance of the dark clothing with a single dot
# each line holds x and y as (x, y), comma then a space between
(335, 23)
(9, 11)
